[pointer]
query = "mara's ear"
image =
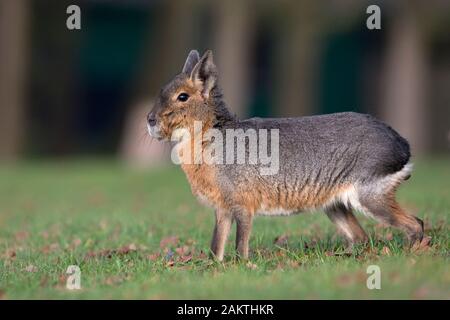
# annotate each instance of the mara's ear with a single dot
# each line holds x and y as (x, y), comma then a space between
(204, 74)
(191, 60)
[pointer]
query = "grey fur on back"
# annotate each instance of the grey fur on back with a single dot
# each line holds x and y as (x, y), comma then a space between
(331, 148)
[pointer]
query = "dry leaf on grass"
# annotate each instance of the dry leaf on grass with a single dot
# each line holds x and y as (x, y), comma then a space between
(185, 254)
(422, 246)
(76, 242)
(280, 253)
(31, 268)
(185, 259)
(345, 253)
(251, 265)
(184, 250)
(294, 264)
(386, 251)
(21, 235)
(280, 267)
(153, 256)
(10, 254)
(281, 240)
(113, 280)
(389, 236)
(202, 256)
(168, 241)
(108, 253)
(170, 263)
(50, 248)
(127, 249)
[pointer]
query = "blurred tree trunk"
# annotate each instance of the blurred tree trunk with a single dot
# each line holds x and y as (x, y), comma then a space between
(13, 49)
(137, 148)
(297, 59)
(233, 33)
(404, 81)
(172, 34)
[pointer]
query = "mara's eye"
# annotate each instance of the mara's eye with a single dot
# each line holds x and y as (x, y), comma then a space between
(183, 97)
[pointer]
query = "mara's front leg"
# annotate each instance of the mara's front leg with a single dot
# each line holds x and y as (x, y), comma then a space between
(224, 220)
(243, 229)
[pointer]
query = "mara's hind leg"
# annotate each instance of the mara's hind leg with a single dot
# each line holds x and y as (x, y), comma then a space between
(222, 228)
(387, 210)
(243, 230)
(347, 223)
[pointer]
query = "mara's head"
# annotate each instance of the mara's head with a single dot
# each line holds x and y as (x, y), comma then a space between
(190, 96)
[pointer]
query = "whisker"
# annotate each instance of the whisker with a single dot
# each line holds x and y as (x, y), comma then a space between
(143, 138)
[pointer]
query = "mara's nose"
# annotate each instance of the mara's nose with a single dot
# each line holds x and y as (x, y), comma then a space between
(151, 119)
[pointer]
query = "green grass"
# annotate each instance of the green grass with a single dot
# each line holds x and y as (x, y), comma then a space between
(110, 221)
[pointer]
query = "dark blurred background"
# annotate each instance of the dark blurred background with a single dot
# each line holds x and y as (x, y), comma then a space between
(86, 92)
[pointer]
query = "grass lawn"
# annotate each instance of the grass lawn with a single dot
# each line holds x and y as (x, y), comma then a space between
(142, 235)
